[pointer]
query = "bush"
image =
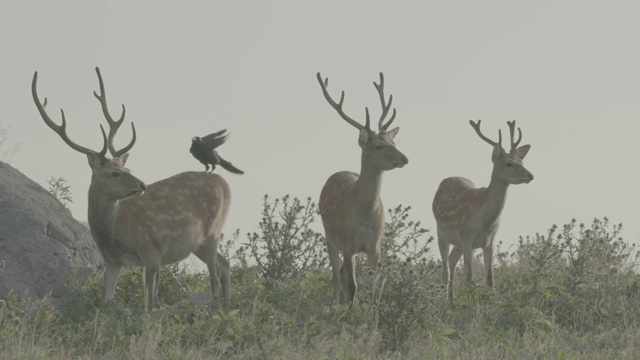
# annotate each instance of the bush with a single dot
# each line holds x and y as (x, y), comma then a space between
(577, 275)
(569, 292)
(400, 294)
(285, 246)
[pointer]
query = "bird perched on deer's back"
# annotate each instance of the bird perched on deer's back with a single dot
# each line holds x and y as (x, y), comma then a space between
(203, 149)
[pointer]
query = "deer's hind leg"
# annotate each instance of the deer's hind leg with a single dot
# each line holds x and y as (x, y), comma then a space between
(152, 283)
(443, 246)
(334, 259)
(208, 253)
(454, 257)
(225, 275)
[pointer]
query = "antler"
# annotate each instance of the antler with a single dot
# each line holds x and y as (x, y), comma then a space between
(476, 127)
(61, 129)
(512, 125)
(338, 106)
(113, 125)
(385, 108)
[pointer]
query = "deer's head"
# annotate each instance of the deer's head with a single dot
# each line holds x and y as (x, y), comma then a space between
(378, 149)
(507, 166)
(113, 180)
(109, 176)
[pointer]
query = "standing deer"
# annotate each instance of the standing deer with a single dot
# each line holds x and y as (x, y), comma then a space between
(350, 205)
(148, 226)
(468, 217)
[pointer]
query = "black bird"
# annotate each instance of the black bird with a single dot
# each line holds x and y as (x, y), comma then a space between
(203, 149)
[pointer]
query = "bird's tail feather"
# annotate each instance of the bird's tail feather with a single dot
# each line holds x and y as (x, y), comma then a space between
(229, 167)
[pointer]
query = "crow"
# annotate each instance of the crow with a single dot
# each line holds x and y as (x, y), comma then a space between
(203, 149)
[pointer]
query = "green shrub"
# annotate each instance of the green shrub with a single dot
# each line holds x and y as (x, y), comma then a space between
(59, 188)
(569, 292)
(285, 246)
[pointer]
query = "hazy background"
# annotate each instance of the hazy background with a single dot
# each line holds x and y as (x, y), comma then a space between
(568, 72)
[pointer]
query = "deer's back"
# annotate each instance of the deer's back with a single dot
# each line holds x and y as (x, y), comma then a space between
(456, 207)
(453, 200)
(176, 215)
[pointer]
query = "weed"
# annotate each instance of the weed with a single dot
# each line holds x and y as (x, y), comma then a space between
(58, 187)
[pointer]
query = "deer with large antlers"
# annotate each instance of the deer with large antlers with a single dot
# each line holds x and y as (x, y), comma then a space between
(148, 226)
(468, 217)
(350, 205)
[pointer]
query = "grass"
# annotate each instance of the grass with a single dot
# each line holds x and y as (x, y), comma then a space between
(569, 293)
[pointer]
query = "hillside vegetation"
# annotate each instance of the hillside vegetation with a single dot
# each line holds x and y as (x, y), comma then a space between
(570, 292)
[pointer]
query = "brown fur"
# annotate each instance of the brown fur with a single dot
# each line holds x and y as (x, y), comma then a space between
(175, 217)
(350, 205)
(468, 217)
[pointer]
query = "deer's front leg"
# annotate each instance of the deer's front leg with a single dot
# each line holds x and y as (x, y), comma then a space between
(348, 272)
(487, 253)
(111, 276)
(468, 264)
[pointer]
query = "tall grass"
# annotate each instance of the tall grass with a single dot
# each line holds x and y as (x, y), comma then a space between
(570, 292)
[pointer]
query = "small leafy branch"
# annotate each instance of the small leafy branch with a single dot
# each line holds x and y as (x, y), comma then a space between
(6, 153)
(59, 188)
(403, 237)
(401, 291)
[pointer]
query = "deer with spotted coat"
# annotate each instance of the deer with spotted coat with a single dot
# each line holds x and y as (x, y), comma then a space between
(468, 217)
(148, 226)
(350, 206)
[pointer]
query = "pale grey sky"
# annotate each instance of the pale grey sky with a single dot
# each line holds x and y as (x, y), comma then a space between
(567, 71)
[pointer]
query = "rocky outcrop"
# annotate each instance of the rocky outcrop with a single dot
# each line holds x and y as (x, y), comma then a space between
(40, 242)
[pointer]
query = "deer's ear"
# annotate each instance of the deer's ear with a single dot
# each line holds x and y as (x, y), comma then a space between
(363, 139)
(94, 161)
(498, 152)
(522, 151)
(123, 158)
(393, 132)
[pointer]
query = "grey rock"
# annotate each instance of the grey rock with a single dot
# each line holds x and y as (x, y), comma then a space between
(40, 241)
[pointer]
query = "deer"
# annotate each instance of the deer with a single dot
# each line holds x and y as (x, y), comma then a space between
(134, 224)
(467, 217)
(350, 206)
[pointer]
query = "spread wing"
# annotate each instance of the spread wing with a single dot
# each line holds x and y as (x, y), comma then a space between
(214, 140)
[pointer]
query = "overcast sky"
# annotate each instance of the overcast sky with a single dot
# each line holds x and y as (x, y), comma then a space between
(567, 71)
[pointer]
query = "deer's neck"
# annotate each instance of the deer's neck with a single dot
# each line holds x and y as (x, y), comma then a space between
(368, 187)
(101, 217)
(495, 198)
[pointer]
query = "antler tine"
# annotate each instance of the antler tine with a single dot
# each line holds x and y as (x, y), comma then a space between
(512, 126)
(61, 130)
(366, 111)
(385, 107)
(476, 127)
(338, 106)
(114, 125)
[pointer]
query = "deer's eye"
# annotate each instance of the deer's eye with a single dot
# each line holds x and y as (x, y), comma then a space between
(115, 174)
(509, 164)
(379, 147)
